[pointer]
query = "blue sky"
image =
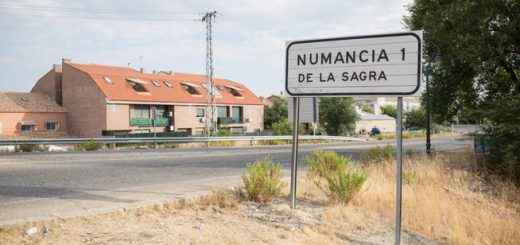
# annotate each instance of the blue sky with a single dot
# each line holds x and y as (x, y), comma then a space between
(249, 36)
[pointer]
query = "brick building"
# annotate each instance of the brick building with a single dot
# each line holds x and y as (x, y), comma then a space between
(106, 100)
(31, 115)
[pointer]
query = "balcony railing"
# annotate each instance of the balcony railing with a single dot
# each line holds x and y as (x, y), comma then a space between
(229, 120)
(140, 121)
(161, 121)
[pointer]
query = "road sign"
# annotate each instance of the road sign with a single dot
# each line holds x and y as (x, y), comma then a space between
(309, 110)
(385, 64)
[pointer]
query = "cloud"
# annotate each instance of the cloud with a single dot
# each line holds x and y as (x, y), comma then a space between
(249, 36)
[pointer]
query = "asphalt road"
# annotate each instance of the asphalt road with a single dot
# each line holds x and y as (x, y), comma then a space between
(94, 180)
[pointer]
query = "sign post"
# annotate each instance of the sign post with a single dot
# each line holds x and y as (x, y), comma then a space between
(373, 65)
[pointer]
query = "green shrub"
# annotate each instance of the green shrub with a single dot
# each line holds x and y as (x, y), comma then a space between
(92, 145)
(378, 154)
(29, 148)
(344, 184)
(321, 162)
(264, 180)
(224, 132)
(341, 184)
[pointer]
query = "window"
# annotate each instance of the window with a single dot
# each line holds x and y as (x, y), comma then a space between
(219, 87)
(235, 91)
(52, 126)
(141, 111)
(160, 111)
(168, 84)
(27, 128)
(137, 85)
(191, 88)
(200, 112)
(107, 79)
(155, 83)
(237, 114)
(222, 111)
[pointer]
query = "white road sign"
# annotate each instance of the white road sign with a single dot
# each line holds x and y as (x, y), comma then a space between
(386, 64)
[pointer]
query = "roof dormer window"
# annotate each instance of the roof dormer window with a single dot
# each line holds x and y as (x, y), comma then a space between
(235, 91)
(219, 87)
(168, 84)
(155, 83)
(107, 79)
(211, 90)
(191, 88)
(137, 85)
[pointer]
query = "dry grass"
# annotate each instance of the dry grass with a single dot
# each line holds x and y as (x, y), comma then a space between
(444, 200)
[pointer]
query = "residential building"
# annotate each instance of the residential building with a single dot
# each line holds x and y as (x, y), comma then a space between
(31, 115)
(106, 100)
(367, 121)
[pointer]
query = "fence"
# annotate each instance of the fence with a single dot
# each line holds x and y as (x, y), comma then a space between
(65, 141)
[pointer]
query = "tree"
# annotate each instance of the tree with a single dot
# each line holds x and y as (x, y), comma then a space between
(338, 115)
(415, 119)
(277, 112)
(480, 46)
(389, 110)
(478, 74)
(367, 108)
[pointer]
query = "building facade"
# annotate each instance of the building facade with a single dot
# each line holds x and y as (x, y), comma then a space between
(107, 100)
(31, 115)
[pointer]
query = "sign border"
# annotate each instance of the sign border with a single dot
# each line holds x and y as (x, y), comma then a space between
(419, 55)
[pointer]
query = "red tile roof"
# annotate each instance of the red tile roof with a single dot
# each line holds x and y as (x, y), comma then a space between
(120, 90)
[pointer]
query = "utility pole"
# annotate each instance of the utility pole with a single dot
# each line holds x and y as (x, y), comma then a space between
(209, 116)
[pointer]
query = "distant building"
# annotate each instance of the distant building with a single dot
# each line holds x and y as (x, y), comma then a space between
(367, 121)
(106, 100)
(269, 101)
(375, 103)
(31, 115)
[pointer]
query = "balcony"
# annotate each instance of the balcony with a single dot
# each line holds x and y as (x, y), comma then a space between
(161, 121)
(229, 120)
(140, 121)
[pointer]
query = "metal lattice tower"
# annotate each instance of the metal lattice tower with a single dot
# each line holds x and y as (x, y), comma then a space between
(209, 116)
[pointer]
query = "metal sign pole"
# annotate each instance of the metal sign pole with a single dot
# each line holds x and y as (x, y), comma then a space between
(399, 170)
(294, 165)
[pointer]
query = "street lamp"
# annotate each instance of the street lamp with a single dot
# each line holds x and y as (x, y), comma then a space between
(437, 56)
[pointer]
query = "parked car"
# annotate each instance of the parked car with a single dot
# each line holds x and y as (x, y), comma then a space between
(375, 131)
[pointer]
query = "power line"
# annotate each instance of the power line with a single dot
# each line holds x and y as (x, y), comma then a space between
(92, 10)
(91, 13)
(96, 17)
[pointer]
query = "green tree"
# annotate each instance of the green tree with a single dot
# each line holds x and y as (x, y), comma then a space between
(367, 108)
(389, 110)
(277, 113)
(284, 127)
(478, 75)
(480, 46)
(415, 118)
(338, 115)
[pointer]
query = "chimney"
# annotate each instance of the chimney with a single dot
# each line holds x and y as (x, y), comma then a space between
(65, 60)
(154, 72)
(142, 69)
(56, 68)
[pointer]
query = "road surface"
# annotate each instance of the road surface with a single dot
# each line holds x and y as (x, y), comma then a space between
(42, 185)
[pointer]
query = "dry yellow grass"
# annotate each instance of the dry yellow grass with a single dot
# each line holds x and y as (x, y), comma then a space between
(444, 200)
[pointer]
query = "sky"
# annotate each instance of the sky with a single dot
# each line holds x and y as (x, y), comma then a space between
(249, 36)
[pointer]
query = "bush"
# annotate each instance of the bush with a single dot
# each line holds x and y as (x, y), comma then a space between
(29, 148)
(378, 154)
(92, 145)
(264, 180)
(343, 185)
(340, 184)
(224, 133)
(321, 162)
(222, 143)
